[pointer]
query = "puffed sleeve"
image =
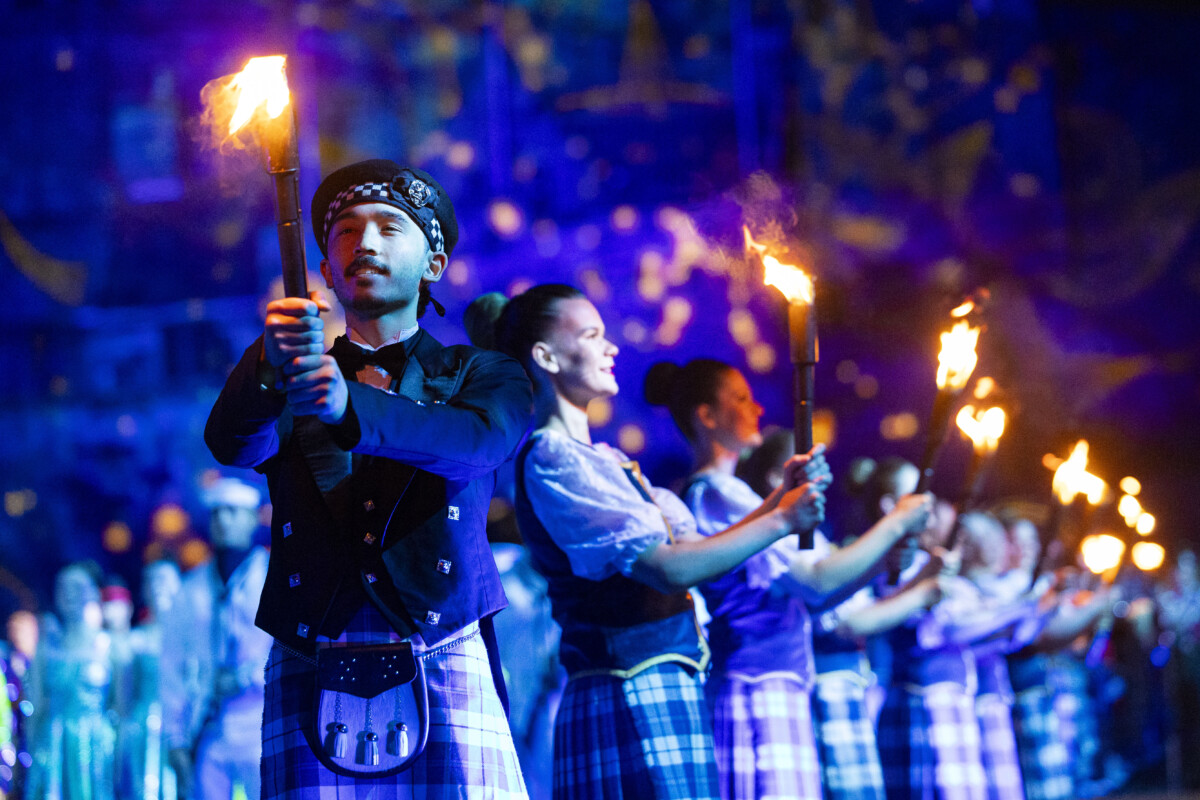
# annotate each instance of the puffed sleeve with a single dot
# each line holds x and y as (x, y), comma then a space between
(588, 505)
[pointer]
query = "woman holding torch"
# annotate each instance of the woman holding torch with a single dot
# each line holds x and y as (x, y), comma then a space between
(619, 556)
(761, 633)
(929, 732)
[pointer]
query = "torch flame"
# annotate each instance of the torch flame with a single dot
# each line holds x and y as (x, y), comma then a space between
(262, 82)
(1130, 509)
(957, 358)
(983, 427)
(1148, 556)
(961, 311)
(795, 285)
(1101, 552)
(1072, 478)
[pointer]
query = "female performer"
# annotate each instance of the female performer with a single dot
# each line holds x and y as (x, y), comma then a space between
(72, 736)
(761, 634)
(619, 555)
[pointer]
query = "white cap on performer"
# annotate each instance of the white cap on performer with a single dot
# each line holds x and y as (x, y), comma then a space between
(231, 492)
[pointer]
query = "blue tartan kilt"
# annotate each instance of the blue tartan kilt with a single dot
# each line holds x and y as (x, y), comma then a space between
(846, 749)
(470, 753)
(648, 737)
(998, 745)
(929, 745)
(765, 746)
(1045, 762)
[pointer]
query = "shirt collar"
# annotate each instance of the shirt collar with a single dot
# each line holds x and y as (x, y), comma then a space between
(402, 336)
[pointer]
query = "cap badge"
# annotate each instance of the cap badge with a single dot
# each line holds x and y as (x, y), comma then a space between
(420, 194)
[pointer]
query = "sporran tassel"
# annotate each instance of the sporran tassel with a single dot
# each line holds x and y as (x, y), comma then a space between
(370, 749)
(397, 741)
(335, 741)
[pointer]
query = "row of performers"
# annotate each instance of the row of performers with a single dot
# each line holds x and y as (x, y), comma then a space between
(775, 700)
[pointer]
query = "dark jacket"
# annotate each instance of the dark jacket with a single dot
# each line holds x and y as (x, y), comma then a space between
(390, 505)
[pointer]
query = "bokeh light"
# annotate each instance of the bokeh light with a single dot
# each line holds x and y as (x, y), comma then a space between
(899, 427)
(116, 537)
(631, 439)
(505, 218)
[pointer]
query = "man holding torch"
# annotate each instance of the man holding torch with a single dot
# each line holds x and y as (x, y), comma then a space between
(380, 458)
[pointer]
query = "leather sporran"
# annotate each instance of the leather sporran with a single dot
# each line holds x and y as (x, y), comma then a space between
(370, 709)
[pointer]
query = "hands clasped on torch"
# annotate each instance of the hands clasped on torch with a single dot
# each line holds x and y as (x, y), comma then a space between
(294, 347)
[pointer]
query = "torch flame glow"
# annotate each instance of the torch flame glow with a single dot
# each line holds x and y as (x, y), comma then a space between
(262, 82)
(1072, 478)
(1101, 552)
(795, 285)
(957, 357)
(1145, 524)
(983, 427)
(1148, 556)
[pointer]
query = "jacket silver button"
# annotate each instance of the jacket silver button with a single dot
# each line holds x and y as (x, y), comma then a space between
(369, 538)
(452, 512)
(294, 579)
(302, 630)
(443, 566)
(369, 505)
(287, 529)
(371, 577)
(432, 618)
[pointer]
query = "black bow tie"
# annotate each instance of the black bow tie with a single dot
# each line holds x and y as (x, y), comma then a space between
(351, 358)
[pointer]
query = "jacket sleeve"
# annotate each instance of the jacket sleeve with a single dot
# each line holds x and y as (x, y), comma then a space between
(241, 426)
(468, 436)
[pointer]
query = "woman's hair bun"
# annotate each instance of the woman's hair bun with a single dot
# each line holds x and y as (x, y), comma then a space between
(659, 382)
(859, 474)
(480, 319)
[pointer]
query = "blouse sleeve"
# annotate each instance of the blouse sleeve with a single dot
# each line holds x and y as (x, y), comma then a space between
(589, 506)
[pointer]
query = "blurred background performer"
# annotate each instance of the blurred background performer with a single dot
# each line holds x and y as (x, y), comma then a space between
(842, 710)
(380, 456)
(213, 656)
(72, 737)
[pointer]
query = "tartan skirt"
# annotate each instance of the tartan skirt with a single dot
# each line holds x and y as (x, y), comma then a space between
(1045, 762)
(763, 731)
(648, 737)
(470, 753)
(1077, 724)
(929, 745)
(998, 745)
(846, 749)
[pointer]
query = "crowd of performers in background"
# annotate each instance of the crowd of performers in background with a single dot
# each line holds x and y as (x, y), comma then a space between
(914, 652)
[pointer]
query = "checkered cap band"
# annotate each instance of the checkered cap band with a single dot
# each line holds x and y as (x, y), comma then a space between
(406, 192)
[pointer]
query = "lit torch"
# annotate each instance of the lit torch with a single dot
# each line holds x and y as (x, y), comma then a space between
(956, 362)
(800, 292)
(1071, 481)
(256, 100)
(984, 428)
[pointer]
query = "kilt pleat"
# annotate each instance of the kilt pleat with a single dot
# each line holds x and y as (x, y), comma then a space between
(470, 752)
(1045, 762)
(648, 737)
(929, 745)
(846, 748)
(998, 746)
(765, 745)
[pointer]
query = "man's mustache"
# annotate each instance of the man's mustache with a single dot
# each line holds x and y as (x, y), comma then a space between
(366, 262)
